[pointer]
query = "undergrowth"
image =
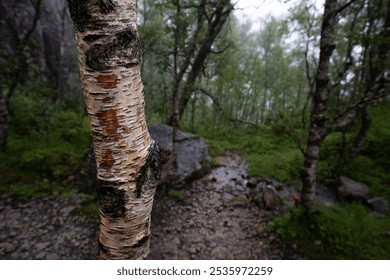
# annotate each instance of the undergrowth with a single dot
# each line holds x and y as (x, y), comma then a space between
(340, 232)
(46, 146)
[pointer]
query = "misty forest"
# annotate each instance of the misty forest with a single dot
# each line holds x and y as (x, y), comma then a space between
(183, 129)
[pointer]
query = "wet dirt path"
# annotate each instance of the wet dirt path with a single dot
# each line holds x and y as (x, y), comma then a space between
(213, 220)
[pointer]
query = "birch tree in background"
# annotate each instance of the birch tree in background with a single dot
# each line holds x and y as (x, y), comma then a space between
(374, 84)
(128, 160)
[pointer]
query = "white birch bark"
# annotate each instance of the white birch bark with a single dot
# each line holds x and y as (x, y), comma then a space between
(128, 161)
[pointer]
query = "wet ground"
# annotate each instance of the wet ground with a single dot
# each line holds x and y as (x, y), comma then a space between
(214, 220)
(45, 229)
(210, 219)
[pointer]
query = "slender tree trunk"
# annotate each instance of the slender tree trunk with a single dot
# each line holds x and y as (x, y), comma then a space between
(128, 160)
(20, 58)
(317, 130)
(176, 117)
(59, 91)
(3, 121)
(265, 96)
(219, 16)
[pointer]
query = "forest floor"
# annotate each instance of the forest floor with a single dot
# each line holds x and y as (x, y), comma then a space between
(202, 221)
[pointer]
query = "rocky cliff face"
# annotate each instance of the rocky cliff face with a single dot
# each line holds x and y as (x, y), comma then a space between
(50, 49)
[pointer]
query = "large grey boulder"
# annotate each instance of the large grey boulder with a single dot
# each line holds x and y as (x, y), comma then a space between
(192, 160)
(351, 189)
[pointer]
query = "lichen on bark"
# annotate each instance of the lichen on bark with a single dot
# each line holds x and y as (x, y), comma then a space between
(123, 50)
(80, 12)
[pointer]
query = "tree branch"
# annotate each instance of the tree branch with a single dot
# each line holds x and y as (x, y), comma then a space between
(348, 60)
(343, 7)
(373, 94)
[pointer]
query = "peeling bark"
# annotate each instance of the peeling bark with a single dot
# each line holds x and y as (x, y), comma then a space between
(128, 160)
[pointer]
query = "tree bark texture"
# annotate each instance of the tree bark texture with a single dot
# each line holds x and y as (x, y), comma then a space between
(128, 160)
(317, 130)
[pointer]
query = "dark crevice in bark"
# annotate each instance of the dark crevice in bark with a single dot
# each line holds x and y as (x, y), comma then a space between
(106, 6)
(93, 37)
(112, 200)
(142, 241)
(157, 157)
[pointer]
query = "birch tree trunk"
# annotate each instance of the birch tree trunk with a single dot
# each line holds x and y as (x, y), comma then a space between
(128, 160)
(317, 131)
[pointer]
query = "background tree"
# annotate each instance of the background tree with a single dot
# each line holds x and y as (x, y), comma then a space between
(3, 121)
(192, 28)
(322, 122)
(128, 160)
(14, 70)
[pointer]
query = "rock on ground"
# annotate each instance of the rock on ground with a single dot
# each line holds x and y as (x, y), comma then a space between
(192, 157)
(378, 205)
(351, 189)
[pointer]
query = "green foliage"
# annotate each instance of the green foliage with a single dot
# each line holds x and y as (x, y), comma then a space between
(31, 110)
(369, 166)
(347, 232)
(176, 193)
(372, 164)
(25, 190)
(46, 145)
(89, 210)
